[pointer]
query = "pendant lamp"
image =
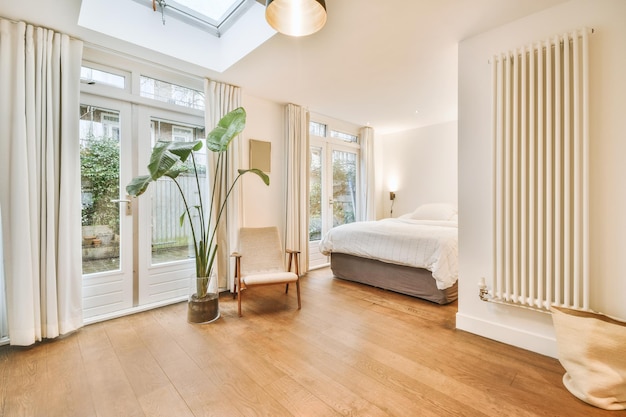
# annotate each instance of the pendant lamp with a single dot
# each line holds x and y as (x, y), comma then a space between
(296, 17)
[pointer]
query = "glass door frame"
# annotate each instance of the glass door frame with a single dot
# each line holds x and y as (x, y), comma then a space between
(166, 282)
(327, 146)
(113, 288)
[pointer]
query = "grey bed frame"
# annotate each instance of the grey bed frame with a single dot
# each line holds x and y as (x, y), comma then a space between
(416, 282)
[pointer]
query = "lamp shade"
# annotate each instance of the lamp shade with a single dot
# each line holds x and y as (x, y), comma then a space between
(296, 17)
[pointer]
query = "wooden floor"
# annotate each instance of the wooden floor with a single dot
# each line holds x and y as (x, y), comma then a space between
(352, 350)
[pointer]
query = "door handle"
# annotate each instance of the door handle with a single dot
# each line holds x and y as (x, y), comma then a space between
(129, 207)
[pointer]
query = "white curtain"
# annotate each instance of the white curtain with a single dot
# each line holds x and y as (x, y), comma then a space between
(4, 330)
(222, 98)
(40, 181)
(297, 153)
(366, 203)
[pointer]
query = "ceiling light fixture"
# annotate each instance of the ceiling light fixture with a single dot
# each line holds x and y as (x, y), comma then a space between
(296, 17)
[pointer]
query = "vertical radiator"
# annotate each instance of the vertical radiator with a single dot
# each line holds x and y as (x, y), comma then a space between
(541, 188)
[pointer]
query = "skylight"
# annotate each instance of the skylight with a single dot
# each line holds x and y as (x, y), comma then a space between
(216, 10)
(214, 16)
(179, 33)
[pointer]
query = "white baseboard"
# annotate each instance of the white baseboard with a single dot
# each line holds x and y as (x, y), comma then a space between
(512, 336)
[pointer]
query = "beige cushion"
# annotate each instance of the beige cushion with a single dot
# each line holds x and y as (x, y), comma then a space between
(270, 278)
(592, 349)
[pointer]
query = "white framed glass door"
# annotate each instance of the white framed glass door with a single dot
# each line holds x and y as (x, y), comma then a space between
(165, 258)
(106, 217)
(332, 192)
(134, 251)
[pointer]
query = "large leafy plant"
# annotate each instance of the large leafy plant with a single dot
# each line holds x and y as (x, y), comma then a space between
(170, 159)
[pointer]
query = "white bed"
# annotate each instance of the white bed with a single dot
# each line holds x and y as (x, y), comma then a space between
(416, 254)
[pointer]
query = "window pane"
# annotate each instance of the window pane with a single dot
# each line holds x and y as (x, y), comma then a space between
(170, 241)
(315, 195)
(317, 129)
(100, 183)
(171, 93)
(346, 137)
(94, 76)
(344, 187)
(216, 10)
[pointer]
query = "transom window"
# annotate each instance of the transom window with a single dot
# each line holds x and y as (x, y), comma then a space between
(95, 76)
(171, 93)
(346, 137)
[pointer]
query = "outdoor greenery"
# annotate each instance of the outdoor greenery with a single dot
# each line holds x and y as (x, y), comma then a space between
(344, 191)
(99, 160)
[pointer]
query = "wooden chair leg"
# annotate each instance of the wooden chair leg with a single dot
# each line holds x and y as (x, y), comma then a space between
(286, 288)
(239, 301)
(298, 292)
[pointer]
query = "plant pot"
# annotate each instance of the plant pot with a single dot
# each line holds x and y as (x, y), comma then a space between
(203, 309)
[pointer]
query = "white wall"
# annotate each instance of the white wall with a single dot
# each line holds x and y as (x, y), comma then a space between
(512, 325)
(423, 163)
(264, 205)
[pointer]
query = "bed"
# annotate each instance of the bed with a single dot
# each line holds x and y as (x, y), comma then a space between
(415, 254)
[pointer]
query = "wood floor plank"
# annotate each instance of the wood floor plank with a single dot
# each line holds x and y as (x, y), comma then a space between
(66, 390)
(298, 399)
(352, 350)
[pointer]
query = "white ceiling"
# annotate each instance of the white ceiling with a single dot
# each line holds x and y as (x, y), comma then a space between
(391, 64)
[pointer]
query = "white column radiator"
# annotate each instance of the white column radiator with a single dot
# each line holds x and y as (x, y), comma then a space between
(541, 188)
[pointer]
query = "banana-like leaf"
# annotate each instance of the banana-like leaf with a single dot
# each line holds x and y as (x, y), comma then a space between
(166, 154)
(138, 185)
(184, 149)
(263, 175)
(173, 173)
(228, 127)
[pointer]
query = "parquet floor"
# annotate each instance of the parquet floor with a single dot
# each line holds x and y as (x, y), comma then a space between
(352, 350)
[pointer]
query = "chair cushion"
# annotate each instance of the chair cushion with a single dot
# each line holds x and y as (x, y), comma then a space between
(269, 278)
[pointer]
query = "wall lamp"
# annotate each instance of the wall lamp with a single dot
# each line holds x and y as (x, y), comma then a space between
(296, 17)
(392, 197)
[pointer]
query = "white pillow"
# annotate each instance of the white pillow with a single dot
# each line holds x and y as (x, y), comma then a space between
(434, 211)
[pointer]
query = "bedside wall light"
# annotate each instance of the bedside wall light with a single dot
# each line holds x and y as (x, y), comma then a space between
(392, 195)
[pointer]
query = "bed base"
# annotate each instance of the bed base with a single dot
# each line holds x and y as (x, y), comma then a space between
(416, 282)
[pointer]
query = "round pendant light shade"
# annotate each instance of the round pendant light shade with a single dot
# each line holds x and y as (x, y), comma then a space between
(296, 17)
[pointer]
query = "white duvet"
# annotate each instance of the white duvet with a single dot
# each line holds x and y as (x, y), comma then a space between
(428, 244)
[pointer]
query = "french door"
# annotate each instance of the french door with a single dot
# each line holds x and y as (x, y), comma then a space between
(135, 254)
(332, 192)
(106, 217)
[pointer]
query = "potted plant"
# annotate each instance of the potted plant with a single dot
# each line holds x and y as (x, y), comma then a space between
(170, 159)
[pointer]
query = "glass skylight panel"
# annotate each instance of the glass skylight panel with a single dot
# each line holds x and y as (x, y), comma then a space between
(215, 10)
